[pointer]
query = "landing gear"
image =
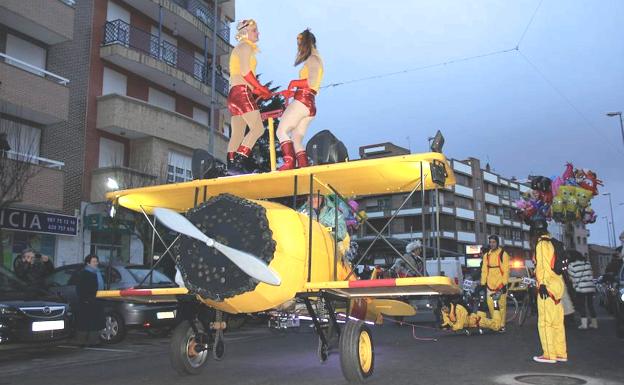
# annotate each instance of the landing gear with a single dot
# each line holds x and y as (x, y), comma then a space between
(188, 351)
(354, 341)
(192, 341)
(357, 353)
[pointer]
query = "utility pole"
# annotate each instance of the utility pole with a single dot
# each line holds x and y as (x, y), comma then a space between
(612, 221)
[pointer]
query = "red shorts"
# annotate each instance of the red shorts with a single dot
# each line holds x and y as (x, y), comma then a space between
(307, 96)
(241, 100)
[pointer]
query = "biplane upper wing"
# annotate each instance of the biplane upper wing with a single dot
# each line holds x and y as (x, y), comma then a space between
(391, 287)
(363, 177)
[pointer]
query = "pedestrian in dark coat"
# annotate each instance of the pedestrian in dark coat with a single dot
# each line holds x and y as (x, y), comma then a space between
(90, 311)
(33, 268)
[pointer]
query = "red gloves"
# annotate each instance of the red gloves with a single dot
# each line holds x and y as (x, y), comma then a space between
(299, 83)
(257, 88)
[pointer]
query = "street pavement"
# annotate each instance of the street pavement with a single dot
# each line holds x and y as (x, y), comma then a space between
(403, 355)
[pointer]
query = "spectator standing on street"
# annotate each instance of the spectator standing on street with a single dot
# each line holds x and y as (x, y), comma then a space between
(550, 291)
(89, 312)
(33, 268)
(581, 275)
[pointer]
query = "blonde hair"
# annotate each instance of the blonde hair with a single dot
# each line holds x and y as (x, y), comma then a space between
(241, 28)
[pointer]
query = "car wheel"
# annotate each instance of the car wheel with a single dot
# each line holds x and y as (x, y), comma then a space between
(115, 329)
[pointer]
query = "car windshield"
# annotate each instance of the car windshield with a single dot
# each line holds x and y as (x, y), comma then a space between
(518, 273)
(9, 282)
(158, 278)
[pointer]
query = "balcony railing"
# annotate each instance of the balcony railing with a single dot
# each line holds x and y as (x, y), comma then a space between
(33, 69)
(120, 32)
(206, 16)
(29, 158)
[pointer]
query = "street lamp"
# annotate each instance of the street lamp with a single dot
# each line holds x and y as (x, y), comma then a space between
(619, 113)
(112, 184)
(612, 222)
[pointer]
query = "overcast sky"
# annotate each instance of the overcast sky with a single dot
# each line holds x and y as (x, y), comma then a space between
(520, 117)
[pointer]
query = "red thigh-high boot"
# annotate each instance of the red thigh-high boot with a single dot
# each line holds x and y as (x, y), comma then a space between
(288, 155)
(302, 159)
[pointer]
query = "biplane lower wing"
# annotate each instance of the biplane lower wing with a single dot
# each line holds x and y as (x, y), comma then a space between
(392, 287)
(141, 292)
(388, 175)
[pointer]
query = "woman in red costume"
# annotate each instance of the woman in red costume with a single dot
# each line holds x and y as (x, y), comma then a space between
(244, 89)
(300, 113)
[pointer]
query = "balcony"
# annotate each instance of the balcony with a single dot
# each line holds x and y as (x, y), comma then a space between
(135, 119)
(49, 21)
(491, 198)
(461, 167)
(465, 214)
(126, 177)
(44, 190)
(463, 236)
(165, 64)
(32, 93)
(493, 219)
(463, 190)
(192, 19)
(492, 178)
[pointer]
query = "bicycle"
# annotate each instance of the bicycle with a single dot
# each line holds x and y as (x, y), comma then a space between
(528, 305)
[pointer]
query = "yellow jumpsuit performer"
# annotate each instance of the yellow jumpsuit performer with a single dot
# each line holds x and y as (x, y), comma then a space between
(300, 113)
(244, 88)
(457, 317)
(495, 274)
(549, 307)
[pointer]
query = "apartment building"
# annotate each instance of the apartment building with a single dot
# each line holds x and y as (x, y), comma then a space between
(480, 204)
(34, 96)
(141, 98)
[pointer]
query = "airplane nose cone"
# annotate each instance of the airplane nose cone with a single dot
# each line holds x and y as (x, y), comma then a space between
(232, 221)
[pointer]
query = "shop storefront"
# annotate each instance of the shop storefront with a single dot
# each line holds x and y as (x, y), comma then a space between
(41, 231)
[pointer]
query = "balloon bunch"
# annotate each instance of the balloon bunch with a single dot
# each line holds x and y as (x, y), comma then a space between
(564, 198)
(354, 217)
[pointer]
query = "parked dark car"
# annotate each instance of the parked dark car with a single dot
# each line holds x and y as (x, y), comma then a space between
(29, 317)
(157, 315)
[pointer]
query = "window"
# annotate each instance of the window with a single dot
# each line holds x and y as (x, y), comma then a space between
(161, 99)
(22, 138)
(514, 195)
(27, 52)
(200, 116)
(227, 130)
(179, 168)
(116, 12)
(463, 180)
(111, 153)
(463, 203)
(113, 82)
(506, 213)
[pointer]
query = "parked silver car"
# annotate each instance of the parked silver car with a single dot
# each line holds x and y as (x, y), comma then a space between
(157, 315)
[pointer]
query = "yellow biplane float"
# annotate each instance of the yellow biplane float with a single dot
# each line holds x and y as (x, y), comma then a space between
(239, 251)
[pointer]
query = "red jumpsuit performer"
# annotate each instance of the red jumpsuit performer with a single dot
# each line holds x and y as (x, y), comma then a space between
(244, 88)
(300, 113)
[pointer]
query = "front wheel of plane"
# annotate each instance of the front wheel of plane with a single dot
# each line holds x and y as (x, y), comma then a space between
(357, 353)
(183, 353)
